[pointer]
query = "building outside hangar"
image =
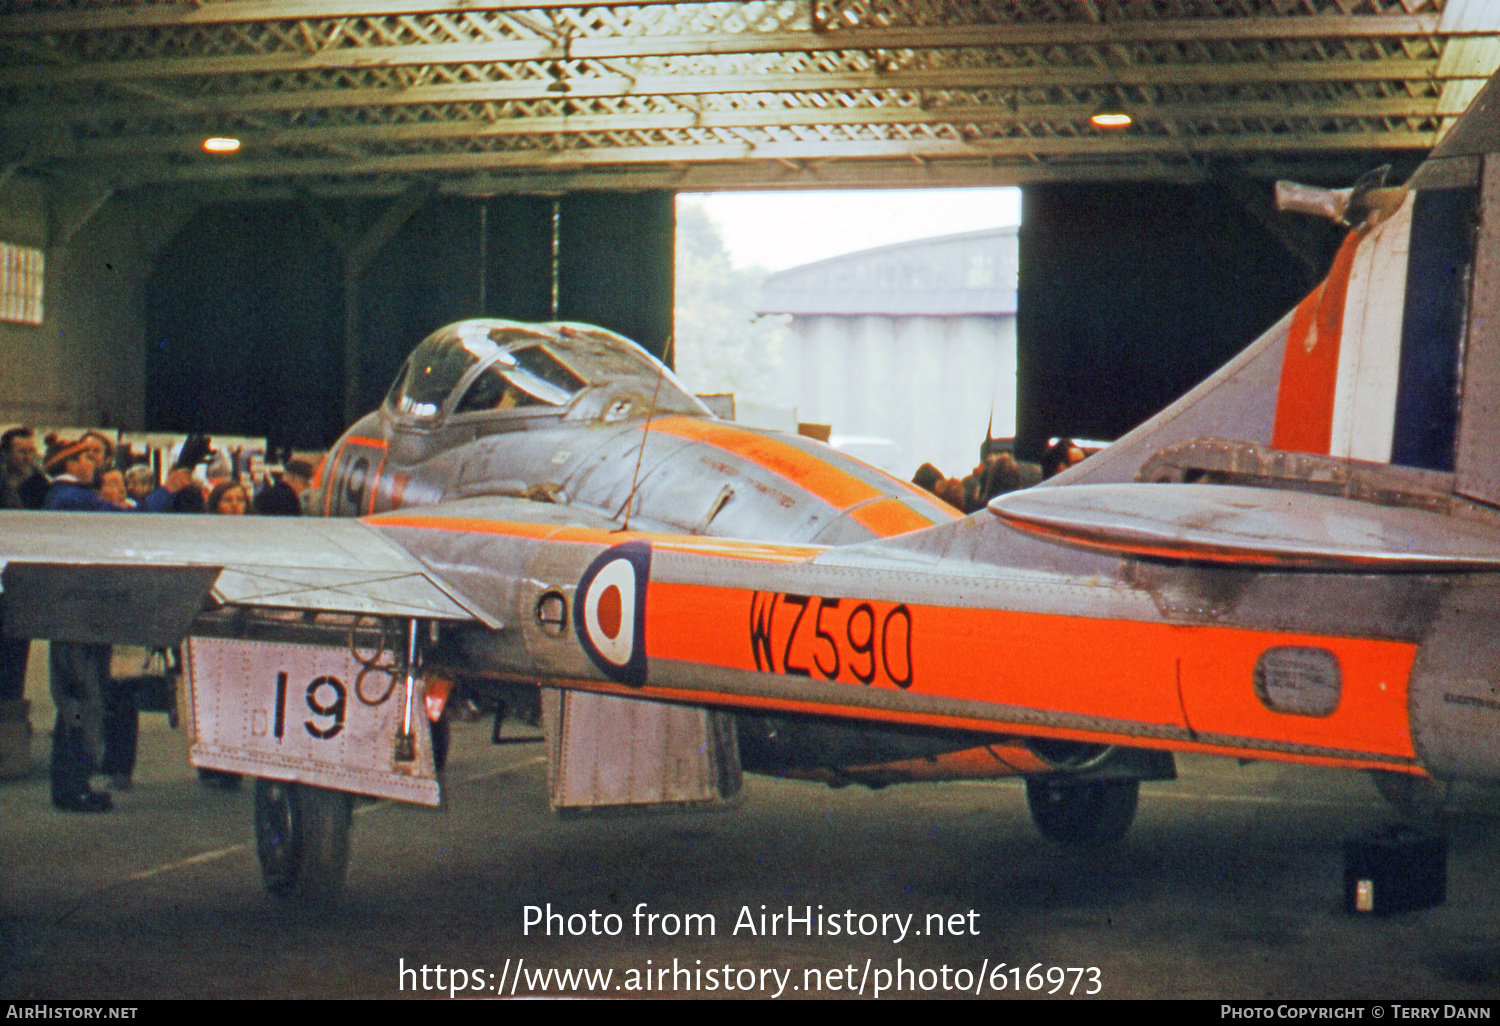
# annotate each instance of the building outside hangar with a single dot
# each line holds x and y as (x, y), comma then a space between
(906, 350)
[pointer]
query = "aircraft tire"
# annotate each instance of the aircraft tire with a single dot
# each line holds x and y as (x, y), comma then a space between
(442, 736)
(1094, 812)
(302, 839)
(1414, 797)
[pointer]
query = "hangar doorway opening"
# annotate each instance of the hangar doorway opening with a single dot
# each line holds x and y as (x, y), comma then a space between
(887, 317)
(906, 320)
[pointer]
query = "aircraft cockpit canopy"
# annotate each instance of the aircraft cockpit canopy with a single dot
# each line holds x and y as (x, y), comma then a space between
(529, 376)
(499, 366)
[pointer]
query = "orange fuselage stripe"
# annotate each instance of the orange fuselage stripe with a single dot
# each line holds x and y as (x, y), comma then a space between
(921, 719)
(1191, 678)
(888, 517)
(1197, 678)
(373, 443)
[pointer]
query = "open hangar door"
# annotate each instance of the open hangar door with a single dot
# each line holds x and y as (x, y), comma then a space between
(1129, 294)
(287, 319)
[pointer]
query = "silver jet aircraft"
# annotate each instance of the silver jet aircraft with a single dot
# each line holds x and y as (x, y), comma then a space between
(1299, 560)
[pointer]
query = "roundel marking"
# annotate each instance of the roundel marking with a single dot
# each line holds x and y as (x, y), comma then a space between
(610, 611)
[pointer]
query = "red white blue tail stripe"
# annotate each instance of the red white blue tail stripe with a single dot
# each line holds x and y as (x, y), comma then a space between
(1371, 363)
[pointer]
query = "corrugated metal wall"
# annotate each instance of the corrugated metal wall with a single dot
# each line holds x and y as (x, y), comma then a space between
(927, 383)
(914, 342)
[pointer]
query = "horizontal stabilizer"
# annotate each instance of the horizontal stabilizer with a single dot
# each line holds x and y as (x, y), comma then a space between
(1252, 527)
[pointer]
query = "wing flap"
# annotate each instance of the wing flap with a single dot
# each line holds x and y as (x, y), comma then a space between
(354, 591)
(1252, 527)
(118, 605)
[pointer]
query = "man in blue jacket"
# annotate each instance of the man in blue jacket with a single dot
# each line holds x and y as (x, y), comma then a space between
(88, 708)
(72, 469)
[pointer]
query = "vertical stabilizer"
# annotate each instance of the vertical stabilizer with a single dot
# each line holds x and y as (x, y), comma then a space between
(1370, 370)
(1395, 357)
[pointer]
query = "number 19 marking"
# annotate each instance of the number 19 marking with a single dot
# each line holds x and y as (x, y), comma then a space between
(317, 704)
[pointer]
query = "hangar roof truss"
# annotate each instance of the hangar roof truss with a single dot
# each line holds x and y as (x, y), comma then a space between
(352, 96)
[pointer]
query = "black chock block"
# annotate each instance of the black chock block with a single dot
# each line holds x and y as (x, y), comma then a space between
(1397, 869)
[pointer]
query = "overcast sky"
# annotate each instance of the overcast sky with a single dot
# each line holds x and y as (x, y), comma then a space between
(776, 230)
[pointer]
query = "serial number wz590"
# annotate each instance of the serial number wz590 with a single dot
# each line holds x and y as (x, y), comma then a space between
(850, 640)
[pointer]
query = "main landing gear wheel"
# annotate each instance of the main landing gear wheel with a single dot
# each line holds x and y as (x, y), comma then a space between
(1416, 798)
(442, 736)
(302, 838)
(1092, 812)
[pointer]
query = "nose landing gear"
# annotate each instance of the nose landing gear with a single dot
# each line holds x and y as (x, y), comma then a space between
(302, 838)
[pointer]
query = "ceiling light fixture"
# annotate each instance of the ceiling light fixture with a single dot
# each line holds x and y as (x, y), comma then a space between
(221, 144)
(1112, 115)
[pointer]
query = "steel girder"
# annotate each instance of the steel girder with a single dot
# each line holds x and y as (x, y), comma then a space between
(363, 95)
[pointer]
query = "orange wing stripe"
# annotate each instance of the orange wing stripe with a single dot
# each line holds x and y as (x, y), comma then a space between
(758, 552)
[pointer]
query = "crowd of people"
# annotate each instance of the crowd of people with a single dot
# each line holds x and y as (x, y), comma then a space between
(98, 715)
(997, 472)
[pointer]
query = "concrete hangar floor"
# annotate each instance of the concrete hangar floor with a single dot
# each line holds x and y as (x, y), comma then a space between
(1228, 886)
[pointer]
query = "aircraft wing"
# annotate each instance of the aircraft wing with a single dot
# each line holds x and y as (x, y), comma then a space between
(1248, 526)
(295, 704)
(140, 579)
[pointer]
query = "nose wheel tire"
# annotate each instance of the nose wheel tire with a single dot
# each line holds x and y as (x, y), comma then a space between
(1082, 814)
(302, 838)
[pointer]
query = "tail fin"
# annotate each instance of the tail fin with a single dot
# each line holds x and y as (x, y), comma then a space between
(1394, 358)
